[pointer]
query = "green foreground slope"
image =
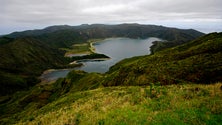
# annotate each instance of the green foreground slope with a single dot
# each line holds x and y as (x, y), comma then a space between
(172, 104)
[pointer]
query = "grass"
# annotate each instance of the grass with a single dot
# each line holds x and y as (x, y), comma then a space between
(23, 60)
(174, 104)
(78, 49)
(83, 48)
(198, 61)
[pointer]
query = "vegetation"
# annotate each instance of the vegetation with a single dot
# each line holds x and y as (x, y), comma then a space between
(91, 56)
(77, 49)
(198, 61)
(5, 40)
(169, 87)
(23, 60)
(83, 48)
(62, 38)
(25, 102)
(173, 104)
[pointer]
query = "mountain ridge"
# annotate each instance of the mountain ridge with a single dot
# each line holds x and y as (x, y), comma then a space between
(65, 35)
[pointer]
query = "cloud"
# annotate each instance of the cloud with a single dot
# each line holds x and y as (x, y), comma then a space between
(34, 13)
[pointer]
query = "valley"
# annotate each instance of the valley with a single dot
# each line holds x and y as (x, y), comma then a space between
(41, 49)
(176, 81)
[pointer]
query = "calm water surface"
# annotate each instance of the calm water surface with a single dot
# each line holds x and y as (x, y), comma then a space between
(116, 48)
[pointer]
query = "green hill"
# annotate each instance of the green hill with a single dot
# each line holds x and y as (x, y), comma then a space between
(22, 60)
(134, 91)
(198, 61)
(172, 104)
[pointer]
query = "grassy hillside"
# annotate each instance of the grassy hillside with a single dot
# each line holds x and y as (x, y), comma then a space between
(173, 104)
(198, 61)
(62, 38)
(22, 60)
(184, 104)
(138, 31)
(23, 103)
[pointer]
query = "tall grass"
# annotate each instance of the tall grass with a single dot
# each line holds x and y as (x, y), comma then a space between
(173, 104)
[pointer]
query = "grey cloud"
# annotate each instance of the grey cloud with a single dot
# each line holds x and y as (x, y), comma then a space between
(48, 12)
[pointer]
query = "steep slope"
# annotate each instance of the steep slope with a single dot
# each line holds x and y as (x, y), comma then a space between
(62, 38)
(198, 61)
(176, 38)
(172, 104)
(184, 104)
(22, 60)
(139, 31)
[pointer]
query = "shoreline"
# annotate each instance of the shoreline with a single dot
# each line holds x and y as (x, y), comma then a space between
(96, 59)
(79, 63)
(91, 49)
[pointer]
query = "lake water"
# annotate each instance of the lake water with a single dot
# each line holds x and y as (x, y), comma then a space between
(116, 48)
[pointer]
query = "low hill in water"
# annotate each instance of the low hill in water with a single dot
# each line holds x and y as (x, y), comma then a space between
(134, 91)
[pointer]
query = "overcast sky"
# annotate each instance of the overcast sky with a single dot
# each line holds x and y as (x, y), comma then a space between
(203, 15)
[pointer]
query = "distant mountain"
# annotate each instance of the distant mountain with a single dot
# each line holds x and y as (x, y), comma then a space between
(39, 31)
(64, 35)
(139, 31)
